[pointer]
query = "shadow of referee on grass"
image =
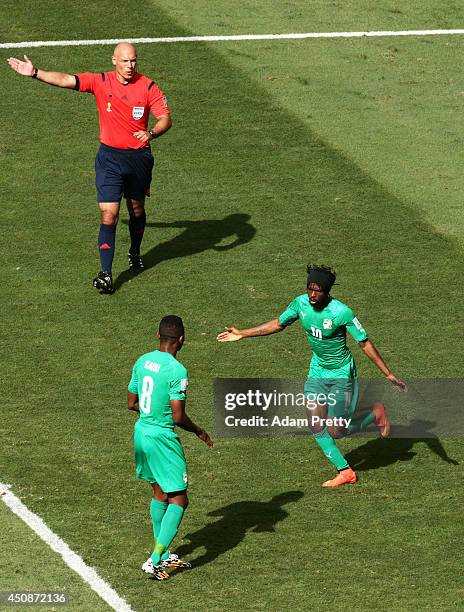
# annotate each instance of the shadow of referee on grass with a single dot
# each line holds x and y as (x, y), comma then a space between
(379, 453)
(198, 236)
(236, 520)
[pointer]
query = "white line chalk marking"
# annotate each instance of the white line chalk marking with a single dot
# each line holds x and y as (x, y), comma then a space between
(175, 39)
(73, 560)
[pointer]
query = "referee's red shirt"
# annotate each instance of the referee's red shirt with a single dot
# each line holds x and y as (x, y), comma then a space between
(123, 109)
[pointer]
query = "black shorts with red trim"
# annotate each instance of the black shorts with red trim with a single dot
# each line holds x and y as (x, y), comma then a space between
(123, 173)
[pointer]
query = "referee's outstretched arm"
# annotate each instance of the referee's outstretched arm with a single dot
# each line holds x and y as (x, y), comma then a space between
(27, 68)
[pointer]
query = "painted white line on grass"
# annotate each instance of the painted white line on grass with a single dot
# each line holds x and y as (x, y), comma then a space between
(174, 39)
(74, 561)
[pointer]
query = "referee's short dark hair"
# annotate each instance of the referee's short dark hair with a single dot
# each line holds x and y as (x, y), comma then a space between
(171, 327)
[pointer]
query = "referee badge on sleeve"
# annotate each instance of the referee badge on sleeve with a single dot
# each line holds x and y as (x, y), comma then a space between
(183, 384)
(137, 112)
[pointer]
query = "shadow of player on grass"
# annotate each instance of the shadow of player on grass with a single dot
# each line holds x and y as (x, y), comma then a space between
(379, 453)
(198, 236)
(236, 519)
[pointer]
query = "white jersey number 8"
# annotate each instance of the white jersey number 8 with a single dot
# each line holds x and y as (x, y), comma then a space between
(145, 398)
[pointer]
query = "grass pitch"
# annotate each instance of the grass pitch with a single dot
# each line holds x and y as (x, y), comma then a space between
(342, 151)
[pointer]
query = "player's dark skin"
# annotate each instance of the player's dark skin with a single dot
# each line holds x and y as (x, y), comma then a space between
(180, 418)
(318, 300)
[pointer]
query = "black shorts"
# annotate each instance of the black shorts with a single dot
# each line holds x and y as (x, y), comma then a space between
(122, 172)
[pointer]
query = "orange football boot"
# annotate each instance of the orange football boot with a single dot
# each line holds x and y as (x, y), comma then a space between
(381, 420)
(347, 476)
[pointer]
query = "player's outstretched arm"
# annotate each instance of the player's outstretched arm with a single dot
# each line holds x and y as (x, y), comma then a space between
(182, 420)
(370, 351)
(26, 68)
(232, 334)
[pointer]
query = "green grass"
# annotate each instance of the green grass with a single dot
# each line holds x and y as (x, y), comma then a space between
(345, 152)
(27, 564)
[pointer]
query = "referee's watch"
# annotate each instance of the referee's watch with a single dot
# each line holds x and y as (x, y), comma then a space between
(153, 134)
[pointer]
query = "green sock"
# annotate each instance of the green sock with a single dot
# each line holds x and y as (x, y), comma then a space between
(330, 450)
(157, 511)
(361, 422)
(169, 526)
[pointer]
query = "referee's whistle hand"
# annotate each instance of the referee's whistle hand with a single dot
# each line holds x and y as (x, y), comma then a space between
(142, 135)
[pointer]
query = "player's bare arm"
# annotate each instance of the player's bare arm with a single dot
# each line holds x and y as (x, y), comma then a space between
(26, 68)
(232, 334)
(133, 401)
(371, 351)
(182, 420)
(162, 125)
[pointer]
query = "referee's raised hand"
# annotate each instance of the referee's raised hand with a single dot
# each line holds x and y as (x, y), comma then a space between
(26, 67)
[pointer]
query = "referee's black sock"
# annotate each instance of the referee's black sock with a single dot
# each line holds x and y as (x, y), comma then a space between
(136, 230)
(106, 241)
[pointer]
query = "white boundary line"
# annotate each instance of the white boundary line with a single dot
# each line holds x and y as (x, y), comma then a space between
(74, 561)
(114, 41)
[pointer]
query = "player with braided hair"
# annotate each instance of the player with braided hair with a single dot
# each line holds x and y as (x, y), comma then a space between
(332, 370)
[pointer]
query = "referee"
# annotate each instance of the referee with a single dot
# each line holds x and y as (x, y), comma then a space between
(124, 160)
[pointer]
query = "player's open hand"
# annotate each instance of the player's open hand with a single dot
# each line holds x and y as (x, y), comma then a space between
(400, 384)
(204, 437)
(26, 67)
(232, 334)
